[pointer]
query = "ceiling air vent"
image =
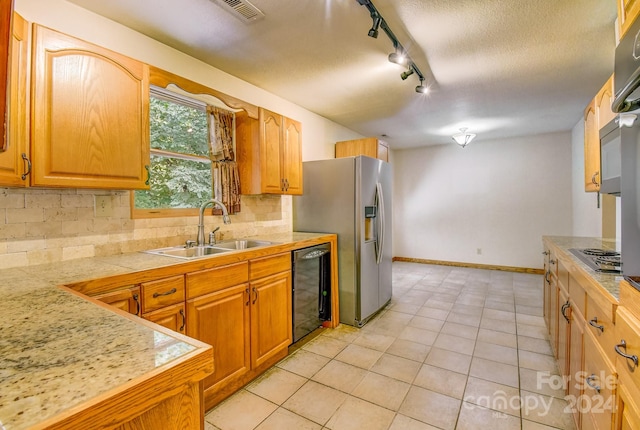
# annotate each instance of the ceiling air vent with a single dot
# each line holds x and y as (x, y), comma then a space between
(242, 10)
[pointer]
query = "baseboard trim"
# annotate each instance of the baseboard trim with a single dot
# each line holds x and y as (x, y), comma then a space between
(472, 265)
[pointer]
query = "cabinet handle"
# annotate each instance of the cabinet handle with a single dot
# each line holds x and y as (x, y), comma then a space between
(594, 323)
(553, 261)
(286, 185)
(135, 298)
(282, 184)
(146, 166)
(248, 297)
(26, 159)
(564, 308)
(545, 252)
(255, 297)
(546, 277)
(623, 344)
(184, 320)
(166, 293)
(594, 181)
(589, 380)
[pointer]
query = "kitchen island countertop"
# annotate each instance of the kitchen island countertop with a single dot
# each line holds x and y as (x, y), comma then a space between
(59, 351)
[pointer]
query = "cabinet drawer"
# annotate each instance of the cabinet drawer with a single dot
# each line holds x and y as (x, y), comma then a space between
(627, 329)
(127, 300)
(599, 384)
(261, 267)
(161, 293)
(601, 326)
(211, 280)
(578, 295)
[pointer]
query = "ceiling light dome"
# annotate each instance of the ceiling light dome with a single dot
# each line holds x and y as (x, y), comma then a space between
(463, 138)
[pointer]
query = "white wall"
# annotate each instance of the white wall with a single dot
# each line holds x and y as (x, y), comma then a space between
(500, 196)
(587, 218)
(319, 134)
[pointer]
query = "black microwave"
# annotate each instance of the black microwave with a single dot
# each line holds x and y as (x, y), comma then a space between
(610, 158)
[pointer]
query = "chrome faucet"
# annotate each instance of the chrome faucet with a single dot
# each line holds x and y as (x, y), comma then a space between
(225, 218)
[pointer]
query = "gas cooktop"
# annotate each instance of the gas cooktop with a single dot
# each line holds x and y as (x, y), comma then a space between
(600, 260)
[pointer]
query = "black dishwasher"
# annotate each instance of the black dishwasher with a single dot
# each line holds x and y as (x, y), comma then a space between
(311, 289)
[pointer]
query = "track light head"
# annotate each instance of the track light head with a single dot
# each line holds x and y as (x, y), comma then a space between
(398, 57)
(422, 88)
(405, 75)
(376, 24)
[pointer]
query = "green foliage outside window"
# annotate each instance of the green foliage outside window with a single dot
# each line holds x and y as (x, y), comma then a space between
(177, 181)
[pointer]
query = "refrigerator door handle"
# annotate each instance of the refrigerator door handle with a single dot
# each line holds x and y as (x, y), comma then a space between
(380, 210)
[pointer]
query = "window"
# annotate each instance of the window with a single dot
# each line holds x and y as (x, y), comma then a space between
(180, 171)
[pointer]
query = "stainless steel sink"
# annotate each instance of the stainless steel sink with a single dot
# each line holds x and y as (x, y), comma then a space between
(182, 251)
(187, 253)
(241, 244)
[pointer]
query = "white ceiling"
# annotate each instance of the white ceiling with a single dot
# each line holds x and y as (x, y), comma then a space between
(502, 68)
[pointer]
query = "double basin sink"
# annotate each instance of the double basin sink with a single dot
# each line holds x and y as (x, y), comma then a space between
(195, 251)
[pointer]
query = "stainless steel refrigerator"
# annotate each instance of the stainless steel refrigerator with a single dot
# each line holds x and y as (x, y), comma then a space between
(352, 197)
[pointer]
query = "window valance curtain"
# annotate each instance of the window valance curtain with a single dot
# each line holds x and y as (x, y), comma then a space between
(226, 180)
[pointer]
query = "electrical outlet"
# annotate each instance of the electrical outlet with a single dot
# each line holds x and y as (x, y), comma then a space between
(103, 206)
(479, 251)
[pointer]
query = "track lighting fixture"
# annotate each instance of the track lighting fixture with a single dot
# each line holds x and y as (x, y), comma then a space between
(400, 55)
(422, 88)
(376, 24)
(405, 75)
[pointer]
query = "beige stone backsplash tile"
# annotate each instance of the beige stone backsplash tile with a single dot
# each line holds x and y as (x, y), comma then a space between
(60, 214)
(43, 256)
(12, 231)
(73, 252)
(25, 215)
(25, 245)
(13, 201)
(42, 201)
(76, 201)
(43, 230)
(74, 228)
(17, 259)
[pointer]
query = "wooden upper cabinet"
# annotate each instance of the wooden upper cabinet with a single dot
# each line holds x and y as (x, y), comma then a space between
(369, 146)
(90, 115)
(604, 100)
(14, 162)
(591, 149)
(269, 153)
(292, 156)
(6, 10)
(596, 115)
(628, 11)
(270, 149)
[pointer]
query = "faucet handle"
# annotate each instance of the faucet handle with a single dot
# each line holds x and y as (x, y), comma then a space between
(189, 243)
(212, 236)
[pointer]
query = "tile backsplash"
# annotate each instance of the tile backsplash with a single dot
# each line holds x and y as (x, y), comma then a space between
(48, 225)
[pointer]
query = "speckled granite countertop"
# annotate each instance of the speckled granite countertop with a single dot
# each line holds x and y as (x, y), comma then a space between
(58, 350)
(608, 281)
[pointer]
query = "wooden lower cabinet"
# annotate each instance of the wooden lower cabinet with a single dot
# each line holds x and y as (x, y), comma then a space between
(221, 319)
(576, 360)
(249, 325)
(127, 299)
(172, 317)
(271, 325)
(627, 410)
(563, 332)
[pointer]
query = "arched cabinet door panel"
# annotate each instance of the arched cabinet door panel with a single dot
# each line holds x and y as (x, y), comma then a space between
(90, 125)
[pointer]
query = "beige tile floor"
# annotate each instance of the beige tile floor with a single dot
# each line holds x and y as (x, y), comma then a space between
(456, 348)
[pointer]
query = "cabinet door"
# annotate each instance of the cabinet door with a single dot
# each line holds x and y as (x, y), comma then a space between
(604, 99)
(628, 11)
(292, 157)
(90, 125)
(13, 168)
(270, 144)
(171, 317)
(221, 319)
(554, 316)
(627, 411)
(576, 359)
(6, 9)
(271, 329)
(128, 300)
(564, 330)
(591, 149)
